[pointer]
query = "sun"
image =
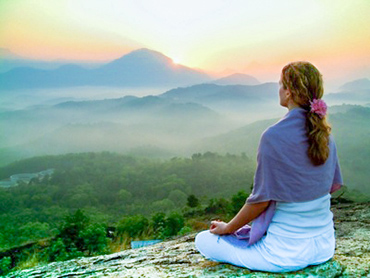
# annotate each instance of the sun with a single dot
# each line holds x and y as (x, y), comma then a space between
(176, 60)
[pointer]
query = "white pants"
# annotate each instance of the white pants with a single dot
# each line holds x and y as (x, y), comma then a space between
(271, 253)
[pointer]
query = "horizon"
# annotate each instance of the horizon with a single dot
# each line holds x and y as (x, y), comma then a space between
(214, 36)
(332, 86)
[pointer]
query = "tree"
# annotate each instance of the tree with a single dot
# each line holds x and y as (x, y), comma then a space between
(133, 226)
(193, 201)
(34, 230)
(173, 224)
(163, 205)
(166, 226)
(238, 200)
(5, 265)
(94, 238)
(57, 251)
(79, 235)
(218, 206)
(125, 196)
(158, 223)
(177, 197)
(71, 228)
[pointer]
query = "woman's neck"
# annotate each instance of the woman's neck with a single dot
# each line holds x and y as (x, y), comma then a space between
(291, 105)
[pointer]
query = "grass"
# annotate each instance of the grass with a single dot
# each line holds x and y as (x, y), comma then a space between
(31, 261)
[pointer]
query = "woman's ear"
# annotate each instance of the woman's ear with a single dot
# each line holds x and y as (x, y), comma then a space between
(288, 94)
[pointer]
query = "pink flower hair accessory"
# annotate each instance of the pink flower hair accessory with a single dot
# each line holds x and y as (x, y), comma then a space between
(319, 107)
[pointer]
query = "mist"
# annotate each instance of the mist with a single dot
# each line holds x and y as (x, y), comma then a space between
(25, 98)
(162, 122)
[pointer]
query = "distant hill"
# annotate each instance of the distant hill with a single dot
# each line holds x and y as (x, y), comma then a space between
(140, 68)
(359, 96)
(351, 132)
(241, 140)
(359, 84)
(240, 102)
(115, 125)
(342, 108)
(355, 92)
(237, 79)
(10, 60)
(205, 92)
(208, 91)
(7, 54)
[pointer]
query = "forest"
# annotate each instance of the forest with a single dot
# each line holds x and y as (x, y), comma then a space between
(98, 202)
(94, 203)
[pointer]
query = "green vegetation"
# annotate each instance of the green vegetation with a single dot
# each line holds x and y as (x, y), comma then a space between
(5, 265)
(94, 195)
(97, 203)
(351, 132)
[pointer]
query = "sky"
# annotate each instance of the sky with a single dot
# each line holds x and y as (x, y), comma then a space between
(221, 36)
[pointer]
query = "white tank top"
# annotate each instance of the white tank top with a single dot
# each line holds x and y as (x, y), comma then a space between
(302, 220)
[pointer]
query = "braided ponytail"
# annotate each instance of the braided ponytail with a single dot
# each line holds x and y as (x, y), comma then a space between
(304, 81)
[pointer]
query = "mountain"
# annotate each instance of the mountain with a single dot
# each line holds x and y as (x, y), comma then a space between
(146, 67)
(350, 129)
(115, 125)
(7, 54)
(240, 102)
(355, 92)
(342, 108)
(360, 97)
(209, 92)
(10, 60)
(140, 68)
(359, 84)
(237, 79)
(241, 140)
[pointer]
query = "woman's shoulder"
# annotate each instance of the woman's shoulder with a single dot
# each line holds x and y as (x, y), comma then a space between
(272, 137)
(290, 127)
(276, 129)
(269, 133)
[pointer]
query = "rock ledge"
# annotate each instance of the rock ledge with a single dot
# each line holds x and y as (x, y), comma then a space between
(179, 258)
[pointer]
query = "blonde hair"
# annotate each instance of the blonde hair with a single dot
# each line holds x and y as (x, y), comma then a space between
(304, 81)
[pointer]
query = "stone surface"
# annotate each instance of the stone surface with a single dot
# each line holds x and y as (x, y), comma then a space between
(352, 222)
(179, 258)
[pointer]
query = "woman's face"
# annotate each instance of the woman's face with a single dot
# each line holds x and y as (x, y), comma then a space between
(283, 94)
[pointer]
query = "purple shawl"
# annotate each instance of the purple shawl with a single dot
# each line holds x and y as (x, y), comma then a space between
(285, 173)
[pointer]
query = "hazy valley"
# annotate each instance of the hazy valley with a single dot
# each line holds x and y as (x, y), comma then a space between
(144, 147)
(151, 119)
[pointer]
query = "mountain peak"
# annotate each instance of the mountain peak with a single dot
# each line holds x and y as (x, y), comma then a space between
(139, 68)
(145, 54)
(147, 51)
(237, 78)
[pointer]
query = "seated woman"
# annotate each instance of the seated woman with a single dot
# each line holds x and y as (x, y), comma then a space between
(297, 169)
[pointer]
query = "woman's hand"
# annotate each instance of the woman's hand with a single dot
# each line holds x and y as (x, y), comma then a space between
(219, 228)
(246, 214)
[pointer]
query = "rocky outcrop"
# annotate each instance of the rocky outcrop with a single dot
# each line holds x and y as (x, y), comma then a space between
(179, 258)
(352, 222)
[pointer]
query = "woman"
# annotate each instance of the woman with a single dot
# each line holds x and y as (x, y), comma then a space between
(297, 169)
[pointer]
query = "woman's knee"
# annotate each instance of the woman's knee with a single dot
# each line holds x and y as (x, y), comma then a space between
(201, 238)
(203, 241)
(214, 248)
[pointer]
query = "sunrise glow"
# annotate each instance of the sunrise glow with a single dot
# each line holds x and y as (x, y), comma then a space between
(219, 36)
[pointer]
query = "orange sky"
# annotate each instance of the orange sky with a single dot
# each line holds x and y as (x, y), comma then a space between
(223, 36)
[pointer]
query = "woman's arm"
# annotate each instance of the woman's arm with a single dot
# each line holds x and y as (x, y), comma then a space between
(246, 214)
